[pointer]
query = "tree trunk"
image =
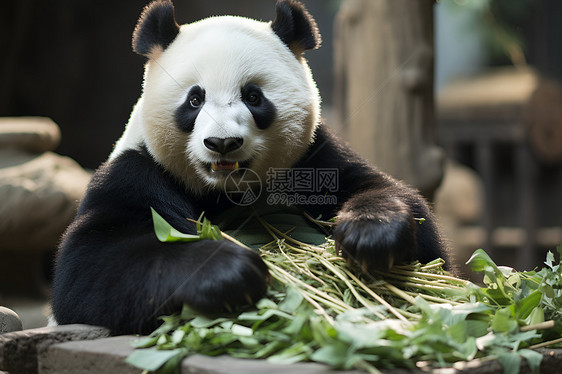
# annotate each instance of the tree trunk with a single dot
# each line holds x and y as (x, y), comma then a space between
(384, 87)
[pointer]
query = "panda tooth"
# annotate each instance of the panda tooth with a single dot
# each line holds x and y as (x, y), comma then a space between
(215, 166)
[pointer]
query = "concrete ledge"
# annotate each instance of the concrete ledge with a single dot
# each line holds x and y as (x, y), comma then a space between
(19, 350)
(93, 356)
(80, 349)
(228, 365)
(108, 356)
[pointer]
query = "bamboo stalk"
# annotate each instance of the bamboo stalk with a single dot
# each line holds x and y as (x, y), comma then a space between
(352, 289)
(401, 293)
(413, 279)
(430, 275)
(302, 269)
(337, 307)
(307, 286)
(382, 301)
(539, 326)
(546, 344)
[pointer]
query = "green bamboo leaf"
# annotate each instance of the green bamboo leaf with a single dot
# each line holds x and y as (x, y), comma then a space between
(166, 233)
(536, 316)
(151, 359)
(510, 361)
(145, 342)
(477, 328)
(258, 316)
(205, 322)
(292, 301)
(297, 352)
(468, 349)
(559, 249)
(533, 358)
(265, 303)
(550, 259)
(296, 325)
(241, 330)
(524, 307)
(502, 321)
(335, 354)
(172, 365)
(452, 315)
(480, 262)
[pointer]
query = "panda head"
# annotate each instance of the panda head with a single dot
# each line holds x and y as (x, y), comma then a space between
(226, 93)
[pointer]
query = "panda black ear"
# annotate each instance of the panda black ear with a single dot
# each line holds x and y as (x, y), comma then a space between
(156, 28)
(295, 26)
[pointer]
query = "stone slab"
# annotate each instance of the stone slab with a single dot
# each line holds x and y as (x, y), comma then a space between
(107, 355)
(95, 356)
(19, 350)
(199, 364)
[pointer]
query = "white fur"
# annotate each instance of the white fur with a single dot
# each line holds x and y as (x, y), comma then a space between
(223, 54)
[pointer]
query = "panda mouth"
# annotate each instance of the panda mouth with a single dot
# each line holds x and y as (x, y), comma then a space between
(224, 166)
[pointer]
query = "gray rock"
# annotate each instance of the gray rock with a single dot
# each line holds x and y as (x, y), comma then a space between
(9, 320)
(39, 189)
(39, 195)
(33, 134)
(19, 350)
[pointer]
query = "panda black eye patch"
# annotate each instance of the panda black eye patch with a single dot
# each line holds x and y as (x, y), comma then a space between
(261, 108)
(187, 113)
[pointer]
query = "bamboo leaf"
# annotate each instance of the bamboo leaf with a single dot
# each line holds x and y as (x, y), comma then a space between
(151, 359)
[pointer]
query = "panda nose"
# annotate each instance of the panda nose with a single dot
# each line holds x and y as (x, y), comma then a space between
(223, 145)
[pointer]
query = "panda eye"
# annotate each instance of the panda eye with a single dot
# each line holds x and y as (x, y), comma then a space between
(195, 101)
(253, 98)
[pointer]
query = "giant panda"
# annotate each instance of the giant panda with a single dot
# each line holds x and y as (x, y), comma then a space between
(221, 95)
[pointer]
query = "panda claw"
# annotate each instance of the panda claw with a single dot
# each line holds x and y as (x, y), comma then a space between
(364, 266)
(228, 307)
(390, 261)
(248, 299)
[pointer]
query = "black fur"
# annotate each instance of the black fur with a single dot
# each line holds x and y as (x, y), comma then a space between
(262, 110)
(186, 114)
(156, 28)
(295, 26)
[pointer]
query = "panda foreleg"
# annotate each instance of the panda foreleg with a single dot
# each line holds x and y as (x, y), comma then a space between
(375, 231)
(381, 226)
(127, 284)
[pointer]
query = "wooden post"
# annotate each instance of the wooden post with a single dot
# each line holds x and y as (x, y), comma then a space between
(384, 87)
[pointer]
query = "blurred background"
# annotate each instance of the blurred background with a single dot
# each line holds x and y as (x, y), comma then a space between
(460, 98)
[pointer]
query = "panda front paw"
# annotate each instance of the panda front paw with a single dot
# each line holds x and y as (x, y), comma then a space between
(376, 241)
(229, 277)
